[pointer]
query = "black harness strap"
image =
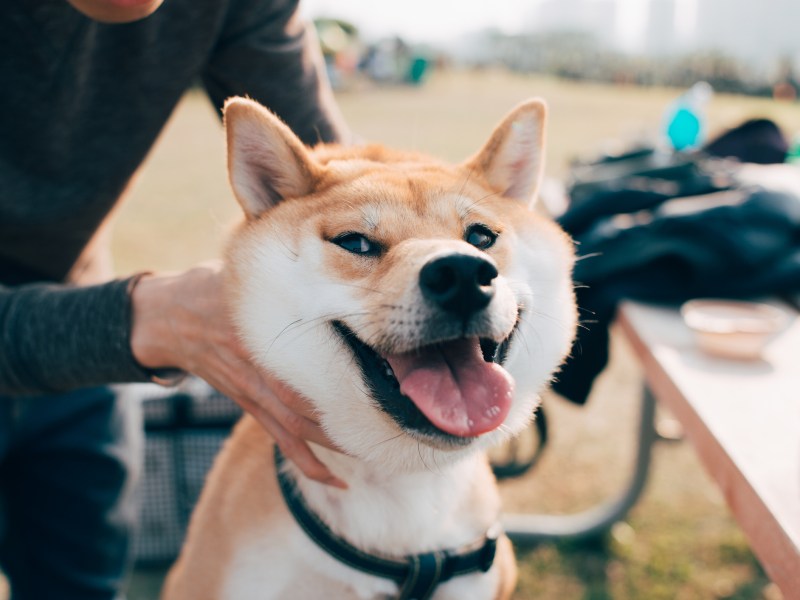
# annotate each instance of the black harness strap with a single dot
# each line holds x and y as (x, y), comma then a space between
(417, 575)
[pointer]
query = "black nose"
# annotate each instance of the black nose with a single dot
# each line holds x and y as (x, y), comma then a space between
(458, 283)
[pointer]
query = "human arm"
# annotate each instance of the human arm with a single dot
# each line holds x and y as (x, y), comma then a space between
(266, 52)
(55, 338)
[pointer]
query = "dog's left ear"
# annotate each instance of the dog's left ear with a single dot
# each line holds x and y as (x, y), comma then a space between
(513, 159)
(267, 163)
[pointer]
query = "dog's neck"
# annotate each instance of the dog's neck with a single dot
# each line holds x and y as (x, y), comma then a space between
(407, 512)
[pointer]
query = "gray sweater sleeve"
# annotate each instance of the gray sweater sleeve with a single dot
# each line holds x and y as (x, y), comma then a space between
(268, 53)
(55, 338)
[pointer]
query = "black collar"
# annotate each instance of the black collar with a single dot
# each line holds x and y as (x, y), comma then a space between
(417, 574)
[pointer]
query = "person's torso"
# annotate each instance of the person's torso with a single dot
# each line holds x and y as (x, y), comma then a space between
(83, 102)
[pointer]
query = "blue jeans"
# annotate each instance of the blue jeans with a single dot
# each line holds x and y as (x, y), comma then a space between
(68, 464)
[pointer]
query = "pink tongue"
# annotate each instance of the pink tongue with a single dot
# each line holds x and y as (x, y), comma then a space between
(454, 387)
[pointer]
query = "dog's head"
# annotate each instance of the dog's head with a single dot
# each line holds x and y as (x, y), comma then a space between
(420, 306)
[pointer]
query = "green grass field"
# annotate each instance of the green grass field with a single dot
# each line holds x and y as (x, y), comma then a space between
(679, 542)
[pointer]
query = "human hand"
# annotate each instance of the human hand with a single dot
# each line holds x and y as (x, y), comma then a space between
(180, 320)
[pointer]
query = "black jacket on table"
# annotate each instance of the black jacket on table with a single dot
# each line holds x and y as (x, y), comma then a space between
(689, 230)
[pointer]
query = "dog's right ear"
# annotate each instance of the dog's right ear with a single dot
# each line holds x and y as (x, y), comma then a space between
(513, 158)
(267, 163)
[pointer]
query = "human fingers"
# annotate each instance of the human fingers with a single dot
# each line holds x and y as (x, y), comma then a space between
(196, 335)
(293, 402)
(290, 430)
(289, 408)
(295, 423)
(293, 447)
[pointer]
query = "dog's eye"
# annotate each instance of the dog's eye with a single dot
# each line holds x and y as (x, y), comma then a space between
(357, 244)
(480, 236)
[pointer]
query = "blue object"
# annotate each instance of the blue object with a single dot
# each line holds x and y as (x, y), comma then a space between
(684, 128)
(685, 118)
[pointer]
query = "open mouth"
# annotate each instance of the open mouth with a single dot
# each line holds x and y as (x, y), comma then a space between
(454, 390)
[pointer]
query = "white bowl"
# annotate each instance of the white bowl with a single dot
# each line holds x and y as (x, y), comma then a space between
(733, 328)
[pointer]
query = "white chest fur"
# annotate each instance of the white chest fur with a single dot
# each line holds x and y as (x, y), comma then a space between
(406, 514)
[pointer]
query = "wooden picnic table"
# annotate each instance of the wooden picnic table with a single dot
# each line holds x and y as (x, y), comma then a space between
(744, 421)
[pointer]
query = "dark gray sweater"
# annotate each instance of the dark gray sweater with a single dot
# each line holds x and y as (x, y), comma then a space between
(81, 103)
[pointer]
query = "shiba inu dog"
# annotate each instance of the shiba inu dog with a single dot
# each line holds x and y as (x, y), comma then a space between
(421, 307)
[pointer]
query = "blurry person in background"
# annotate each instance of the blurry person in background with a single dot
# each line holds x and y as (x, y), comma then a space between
(87, 87)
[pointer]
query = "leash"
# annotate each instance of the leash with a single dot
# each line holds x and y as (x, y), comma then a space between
(417, 575)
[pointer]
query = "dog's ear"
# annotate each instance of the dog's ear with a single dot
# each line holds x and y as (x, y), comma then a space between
(513, 159)
(267, 163)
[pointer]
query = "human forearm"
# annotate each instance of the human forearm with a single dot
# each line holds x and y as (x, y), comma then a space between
(57, 338)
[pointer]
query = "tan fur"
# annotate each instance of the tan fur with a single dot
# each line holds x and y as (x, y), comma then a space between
(241, 489)
(414, 207)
